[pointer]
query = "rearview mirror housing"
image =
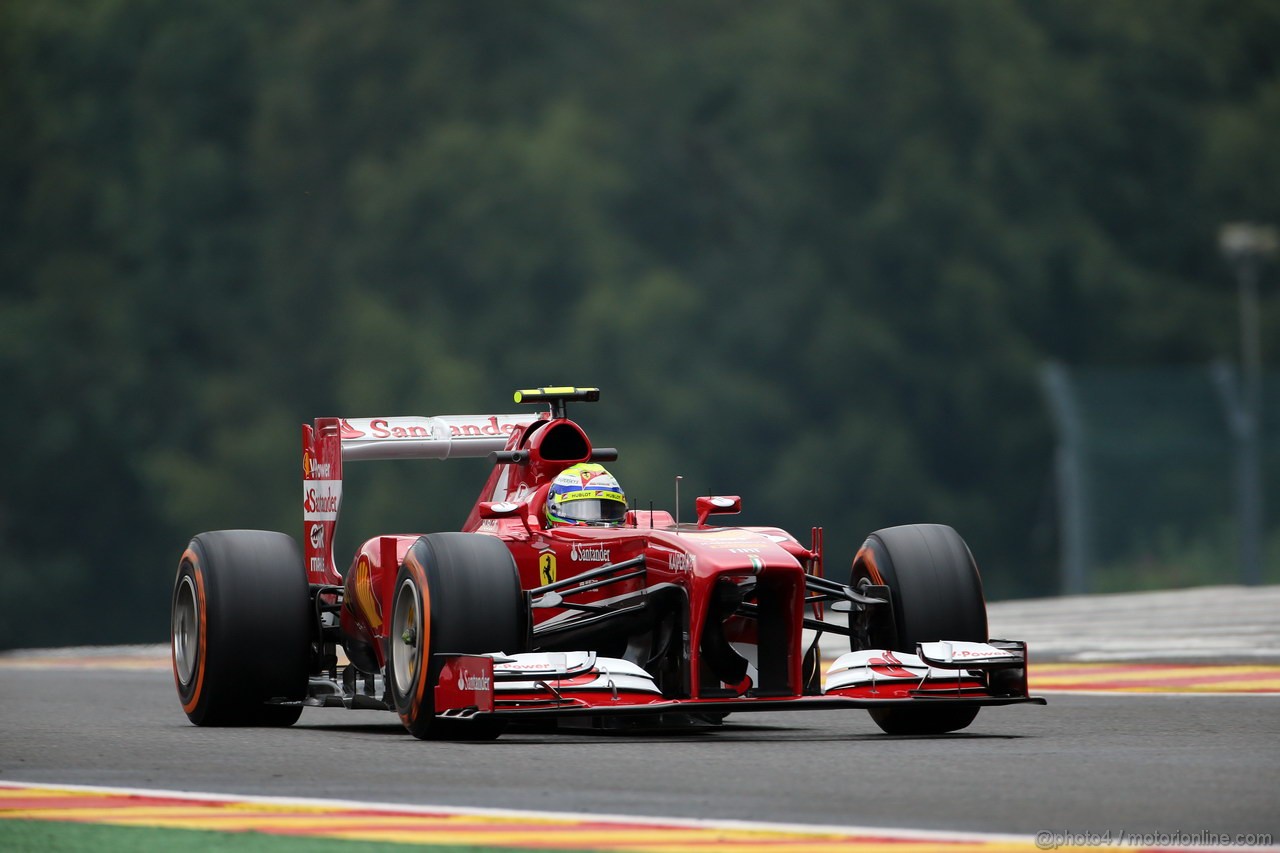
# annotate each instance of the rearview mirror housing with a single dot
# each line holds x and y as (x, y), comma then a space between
(500, 509)
(709, 505)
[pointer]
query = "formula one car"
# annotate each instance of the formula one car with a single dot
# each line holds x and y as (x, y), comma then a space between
(515, 619)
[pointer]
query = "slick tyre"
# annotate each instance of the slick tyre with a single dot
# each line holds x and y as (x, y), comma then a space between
(241, 629)
(937, 595)
(455, 593)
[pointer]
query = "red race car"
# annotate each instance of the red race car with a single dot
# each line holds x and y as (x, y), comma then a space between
(558, 600)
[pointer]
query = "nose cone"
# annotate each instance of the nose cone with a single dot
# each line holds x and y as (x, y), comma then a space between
(726, 548)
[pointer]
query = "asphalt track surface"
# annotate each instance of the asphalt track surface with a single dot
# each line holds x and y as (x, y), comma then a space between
(1145, 763)
(1148, 763)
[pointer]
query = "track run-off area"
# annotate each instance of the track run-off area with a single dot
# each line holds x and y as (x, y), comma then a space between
(1174, 746)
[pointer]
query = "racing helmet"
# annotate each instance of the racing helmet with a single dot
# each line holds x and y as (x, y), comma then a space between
(586, 494)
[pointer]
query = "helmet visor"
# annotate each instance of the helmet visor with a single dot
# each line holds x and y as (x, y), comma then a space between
(594, 510)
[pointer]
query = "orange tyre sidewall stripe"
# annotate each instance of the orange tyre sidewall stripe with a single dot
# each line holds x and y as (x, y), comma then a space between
(424, 654)
(190, 557)
(868, 557)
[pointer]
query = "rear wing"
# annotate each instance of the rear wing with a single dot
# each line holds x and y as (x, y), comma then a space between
(428, 438)
(333, 441)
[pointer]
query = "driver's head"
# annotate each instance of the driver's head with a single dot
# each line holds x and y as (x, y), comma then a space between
(586, 494)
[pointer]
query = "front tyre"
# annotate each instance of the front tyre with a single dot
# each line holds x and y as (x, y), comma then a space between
(241, 629)
(937, 595)
(455, 593)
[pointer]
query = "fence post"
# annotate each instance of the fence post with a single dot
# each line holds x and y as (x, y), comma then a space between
(1246, 246)
(1245, 440)
(1073, 515)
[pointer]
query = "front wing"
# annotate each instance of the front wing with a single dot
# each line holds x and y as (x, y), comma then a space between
(581, 684)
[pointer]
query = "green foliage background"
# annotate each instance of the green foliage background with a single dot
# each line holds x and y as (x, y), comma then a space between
(813, 252)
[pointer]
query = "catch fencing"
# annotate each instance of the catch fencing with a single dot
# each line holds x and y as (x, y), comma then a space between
(1161, 481)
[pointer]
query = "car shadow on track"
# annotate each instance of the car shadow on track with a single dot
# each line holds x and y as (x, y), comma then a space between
(723, 733)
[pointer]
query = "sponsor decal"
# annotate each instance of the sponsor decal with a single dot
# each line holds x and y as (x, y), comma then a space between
(531, 667)
(421, 428)
(316, 536)
(744, 550)
(489, 427)
(585, 553)
(889, 665)
(979, 653)
(598, 494)
(547, 567)
(320, 500)
(381, 428)
(730, 539)
(489, 525)
(682, 564)
(473, 682)
(313, 470)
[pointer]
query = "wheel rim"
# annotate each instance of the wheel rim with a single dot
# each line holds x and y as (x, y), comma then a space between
(186, 630)
(406, 641)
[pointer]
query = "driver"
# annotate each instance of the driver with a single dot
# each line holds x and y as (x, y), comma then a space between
(586, 494)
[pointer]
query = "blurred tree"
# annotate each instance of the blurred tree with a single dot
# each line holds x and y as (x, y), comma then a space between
(813, 252)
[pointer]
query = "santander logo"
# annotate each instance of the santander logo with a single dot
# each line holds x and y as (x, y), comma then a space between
(473, 682)
(589, 552)
(319, 502)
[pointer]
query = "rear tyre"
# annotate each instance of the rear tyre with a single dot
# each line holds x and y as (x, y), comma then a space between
(455, 593)
(241, 629)
(937, 595)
